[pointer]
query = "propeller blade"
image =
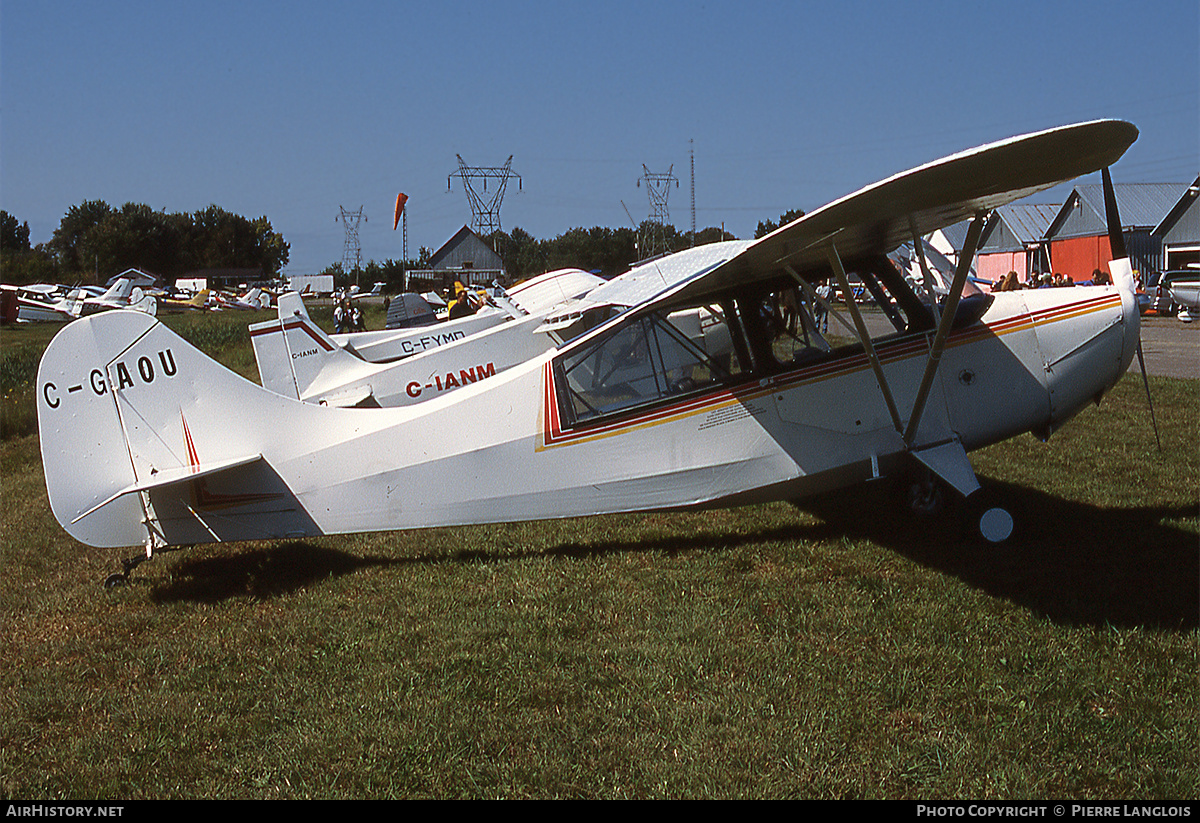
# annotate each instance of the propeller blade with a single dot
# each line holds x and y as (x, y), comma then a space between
(1116, 237)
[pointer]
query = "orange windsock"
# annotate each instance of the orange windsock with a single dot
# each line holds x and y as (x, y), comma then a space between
(401, 199)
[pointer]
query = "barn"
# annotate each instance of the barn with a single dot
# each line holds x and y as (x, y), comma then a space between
(465, 257)
(1013, 240)
(1179, 231)
(1078, 237)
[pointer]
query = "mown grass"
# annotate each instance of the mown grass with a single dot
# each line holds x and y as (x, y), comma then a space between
(826, 649)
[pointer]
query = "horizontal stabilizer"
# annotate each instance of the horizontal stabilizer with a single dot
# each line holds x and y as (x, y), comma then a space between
(169, 477)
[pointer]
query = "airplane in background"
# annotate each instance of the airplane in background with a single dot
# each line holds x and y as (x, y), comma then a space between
(256, 299)
(48, 303)
(42, 303)
(296, 358)
(393, 367)
(196, 302)
(122, 294)
(146, 441)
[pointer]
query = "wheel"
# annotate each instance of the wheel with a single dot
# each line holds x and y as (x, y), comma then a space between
(924, 495)
(115, 579)
(996, 525)
(989, 519)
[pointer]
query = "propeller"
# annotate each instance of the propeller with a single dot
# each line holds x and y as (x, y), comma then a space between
(1122, 274)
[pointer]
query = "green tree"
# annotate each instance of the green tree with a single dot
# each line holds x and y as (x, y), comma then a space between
(218, 239)
(18, 262)
(78, 221)
(14, 236)
(136, 236)
(523, 255)
(94, 238)
(768, 226)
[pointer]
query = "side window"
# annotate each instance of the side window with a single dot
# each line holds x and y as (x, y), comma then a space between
(783, 326)
(645, 360)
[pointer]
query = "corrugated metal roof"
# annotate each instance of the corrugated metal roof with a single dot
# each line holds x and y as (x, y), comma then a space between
(1186, 198)
(1018, 226)
(1142, 205)
(1028, 221)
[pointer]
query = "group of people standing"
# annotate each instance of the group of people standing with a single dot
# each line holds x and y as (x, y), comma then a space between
(347, 317)
(1046, 280)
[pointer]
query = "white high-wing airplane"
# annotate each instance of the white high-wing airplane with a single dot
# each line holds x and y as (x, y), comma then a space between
(531, 297)
(146, 441)
(42, 302)
(253, 300)
(296, 358)
(397, 367)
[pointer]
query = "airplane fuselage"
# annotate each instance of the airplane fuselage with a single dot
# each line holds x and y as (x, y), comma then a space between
(507, 449)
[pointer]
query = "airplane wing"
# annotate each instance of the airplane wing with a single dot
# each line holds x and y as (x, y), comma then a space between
(878, 218)
(646, 280)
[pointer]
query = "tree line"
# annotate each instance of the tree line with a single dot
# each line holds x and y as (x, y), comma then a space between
(600, 249)
(95, 241)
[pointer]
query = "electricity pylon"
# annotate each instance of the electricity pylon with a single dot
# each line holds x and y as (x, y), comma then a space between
(658, 187)
(351, 250)
(485, 215)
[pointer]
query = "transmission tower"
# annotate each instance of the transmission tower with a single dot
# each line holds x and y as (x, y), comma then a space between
(485, 215)
(351, 251)
(658, 187)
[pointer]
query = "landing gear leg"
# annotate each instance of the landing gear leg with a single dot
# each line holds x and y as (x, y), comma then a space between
(127, 566)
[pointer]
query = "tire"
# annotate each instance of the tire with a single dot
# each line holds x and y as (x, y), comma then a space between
(990, 520)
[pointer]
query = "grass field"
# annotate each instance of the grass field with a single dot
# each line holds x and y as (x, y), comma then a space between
(823, 649)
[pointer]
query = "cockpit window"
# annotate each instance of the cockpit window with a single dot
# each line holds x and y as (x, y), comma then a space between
(647, 359)
(752, 331)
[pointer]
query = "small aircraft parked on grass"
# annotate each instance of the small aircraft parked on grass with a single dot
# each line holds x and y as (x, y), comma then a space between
(47, 303)
(296, 358)
(708, 389)
(256, 299)
(426, 331)
(195, 302)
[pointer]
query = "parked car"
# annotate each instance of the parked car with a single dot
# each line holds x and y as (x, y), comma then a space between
(1143, 301)
(1158, 287)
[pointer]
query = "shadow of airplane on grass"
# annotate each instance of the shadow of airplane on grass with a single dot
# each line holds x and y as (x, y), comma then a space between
(263, 572)
(1075, 563)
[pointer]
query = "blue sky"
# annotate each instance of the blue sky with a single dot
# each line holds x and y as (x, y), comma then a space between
(294, 110)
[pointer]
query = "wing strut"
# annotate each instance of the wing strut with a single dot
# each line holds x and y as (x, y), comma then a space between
(835, 263)
(966, 257)
(919, 250)
(817, 299)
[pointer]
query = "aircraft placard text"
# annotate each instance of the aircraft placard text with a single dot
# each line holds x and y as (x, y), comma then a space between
(141, 370)
(451, 381)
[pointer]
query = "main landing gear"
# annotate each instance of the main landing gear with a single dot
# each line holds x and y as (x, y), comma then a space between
(984, 515)
(989, 519)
